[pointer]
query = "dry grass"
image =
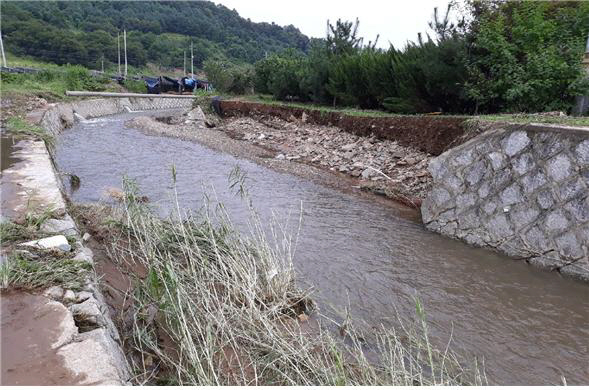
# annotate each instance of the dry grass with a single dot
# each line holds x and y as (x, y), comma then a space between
(221, 308)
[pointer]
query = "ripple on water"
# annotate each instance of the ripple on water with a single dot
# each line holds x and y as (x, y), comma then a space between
(529, 325)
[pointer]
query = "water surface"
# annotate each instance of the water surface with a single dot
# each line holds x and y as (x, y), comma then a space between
(530, 326)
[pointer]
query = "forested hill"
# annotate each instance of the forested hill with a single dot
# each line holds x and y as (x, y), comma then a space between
(81, 32)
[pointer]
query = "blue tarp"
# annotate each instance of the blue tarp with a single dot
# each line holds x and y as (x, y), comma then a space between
(153, 85)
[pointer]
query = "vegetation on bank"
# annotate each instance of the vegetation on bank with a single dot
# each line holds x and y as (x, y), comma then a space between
(229, 312)
(18, 126)
(500, 57)
(53, 81)
(32, 268)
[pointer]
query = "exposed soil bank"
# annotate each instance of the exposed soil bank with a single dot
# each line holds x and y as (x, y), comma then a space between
(430, 134)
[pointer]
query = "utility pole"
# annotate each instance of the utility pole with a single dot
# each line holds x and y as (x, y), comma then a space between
(2, 48)
(119, 48)
(125, 42)
(184, 69)
(102, 63)
(191, 60)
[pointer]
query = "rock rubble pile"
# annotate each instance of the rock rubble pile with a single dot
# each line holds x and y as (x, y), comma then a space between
(381, 165)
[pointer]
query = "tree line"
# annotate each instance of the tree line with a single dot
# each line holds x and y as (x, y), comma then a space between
(498, 56)
(85, 32)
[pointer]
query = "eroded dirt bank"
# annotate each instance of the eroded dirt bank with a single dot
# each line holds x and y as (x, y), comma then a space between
(430, 134)
(322, 153)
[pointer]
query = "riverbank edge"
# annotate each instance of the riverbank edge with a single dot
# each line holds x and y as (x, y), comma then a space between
(94, 355)
(452, 136)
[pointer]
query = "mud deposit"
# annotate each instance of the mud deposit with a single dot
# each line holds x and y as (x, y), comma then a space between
(28, 357)
(530, 326)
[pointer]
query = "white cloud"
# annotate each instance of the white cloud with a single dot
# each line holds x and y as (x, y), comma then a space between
(395, 21)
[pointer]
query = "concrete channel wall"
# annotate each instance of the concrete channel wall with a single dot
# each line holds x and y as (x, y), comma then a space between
(61, 115)
(521, 189)
(96, 355)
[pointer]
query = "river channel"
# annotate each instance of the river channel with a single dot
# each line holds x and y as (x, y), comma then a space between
(530, 326)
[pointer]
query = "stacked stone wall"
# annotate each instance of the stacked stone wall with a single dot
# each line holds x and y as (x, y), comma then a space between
(523, 190)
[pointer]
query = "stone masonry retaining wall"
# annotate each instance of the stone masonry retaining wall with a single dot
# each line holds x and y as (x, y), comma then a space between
(523, 190)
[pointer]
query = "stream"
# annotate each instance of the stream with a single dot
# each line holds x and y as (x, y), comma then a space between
(530, 326)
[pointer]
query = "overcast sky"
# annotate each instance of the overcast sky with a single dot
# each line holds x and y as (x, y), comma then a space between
(396, 21)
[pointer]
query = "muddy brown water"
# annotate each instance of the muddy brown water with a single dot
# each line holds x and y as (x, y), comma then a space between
(9, 185)
(8, 145)
(530, 326)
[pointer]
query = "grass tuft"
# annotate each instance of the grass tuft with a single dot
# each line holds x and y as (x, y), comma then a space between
(18, 126)
(38, 269)
(216, 307)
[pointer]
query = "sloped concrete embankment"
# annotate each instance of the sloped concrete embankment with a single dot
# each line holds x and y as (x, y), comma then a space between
(70, 338)
(82, 345)
(60, 116)
(523, 190)
(429, 134)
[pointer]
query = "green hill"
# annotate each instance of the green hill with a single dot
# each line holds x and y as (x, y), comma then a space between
(80, 32)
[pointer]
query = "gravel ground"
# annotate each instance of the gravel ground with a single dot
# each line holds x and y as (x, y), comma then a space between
(323, 154)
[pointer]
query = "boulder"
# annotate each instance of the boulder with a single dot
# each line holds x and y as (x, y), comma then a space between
(54, 292)
(195, 115)
(69, 296)
(64, 226)
(88, 312)
(86, 255)
(55, 242)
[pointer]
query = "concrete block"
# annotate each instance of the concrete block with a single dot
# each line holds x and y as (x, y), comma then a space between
(556, 222)
(499, 226)
(571, 189)
(497, 160)
(579, 209)
(533, 181)
(511, 195)
(96, 358)
(569, 246)
(476, 172)
(523, 164)
(582, 152)
(545, 199)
